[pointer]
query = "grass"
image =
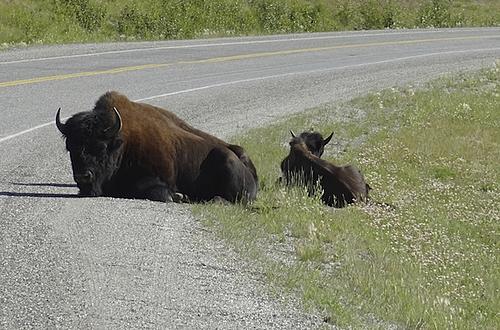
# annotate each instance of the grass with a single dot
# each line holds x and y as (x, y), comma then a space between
(62, 21)
(428, 262)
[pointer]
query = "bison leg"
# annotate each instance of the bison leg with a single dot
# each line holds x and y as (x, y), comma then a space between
(242, 155)
(152, 188)
(223, 174)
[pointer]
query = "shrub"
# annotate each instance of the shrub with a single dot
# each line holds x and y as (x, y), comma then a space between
(435, 13)
(289, 16)
(50, 21)
(89, 15)
(377, 14)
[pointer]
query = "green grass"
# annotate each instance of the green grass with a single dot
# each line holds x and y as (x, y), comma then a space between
(62, 21)
(429, 262)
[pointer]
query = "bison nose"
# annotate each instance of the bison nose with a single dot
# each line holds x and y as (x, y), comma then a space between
(84, 177)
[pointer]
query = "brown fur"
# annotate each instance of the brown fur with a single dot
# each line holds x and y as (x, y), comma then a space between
(341, 184)
(159, 144)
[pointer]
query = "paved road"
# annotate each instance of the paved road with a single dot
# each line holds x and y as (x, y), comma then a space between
(109, 263)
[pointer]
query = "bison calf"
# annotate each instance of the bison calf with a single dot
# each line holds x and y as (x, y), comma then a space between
(341, 185)
(314, 141)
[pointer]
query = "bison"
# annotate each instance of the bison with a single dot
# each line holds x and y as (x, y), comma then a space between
(127, 149)
(314, 142)
(341, 185)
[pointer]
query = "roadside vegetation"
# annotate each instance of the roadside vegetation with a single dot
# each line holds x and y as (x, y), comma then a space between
(62, 21)
(430, 259)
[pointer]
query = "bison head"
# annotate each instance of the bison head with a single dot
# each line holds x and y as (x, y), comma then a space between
(94, 145)
(314, 141)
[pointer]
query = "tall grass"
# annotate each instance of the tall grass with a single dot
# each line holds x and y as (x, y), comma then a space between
(431, 261)
(55, 21)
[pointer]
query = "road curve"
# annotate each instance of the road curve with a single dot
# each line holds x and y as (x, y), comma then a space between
(109, 263)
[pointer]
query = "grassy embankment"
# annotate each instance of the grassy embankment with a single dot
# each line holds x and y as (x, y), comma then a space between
(432, 261)
(62, 21)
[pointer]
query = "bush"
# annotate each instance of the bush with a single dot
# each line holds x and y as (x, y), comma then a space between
(290, 16)
(228, 17)
(435, 13)
(89, 15)
(52, 21)
(378, 14)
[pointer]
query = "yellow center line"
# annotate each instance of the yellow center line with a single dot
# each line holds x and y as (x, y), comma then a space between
(224, 59)
(318, 49)
(82, 74)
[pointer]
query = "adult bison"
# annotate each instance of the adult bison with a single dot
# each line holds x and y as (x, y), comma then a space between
(341, 185)
(135, 150)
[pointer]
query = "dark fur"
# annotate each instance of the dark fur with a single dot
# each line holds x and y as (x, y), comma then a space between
(154, 156)
(314, 142)
(341, 184)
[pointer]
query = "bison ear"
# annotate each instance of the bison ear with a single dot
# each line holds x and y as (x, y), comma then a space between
(60, 126)
(293, 134)
(114, 129)
(325, 141)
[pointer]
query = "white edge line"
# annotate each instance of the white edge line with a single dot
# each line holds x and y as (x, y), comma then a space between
(24, 132)
(234, 82)
(228, 44)
(311, 71)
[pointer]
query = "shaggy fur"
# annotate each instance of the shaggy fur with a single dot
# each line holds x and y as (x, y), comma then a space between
(154, 155)
(341, 185)
(314, 142)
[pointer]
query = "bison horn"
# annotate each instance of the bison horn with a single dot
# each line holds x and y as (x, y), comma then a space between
(293, 134)
(60, 126)
(116, 127)
(325, 141)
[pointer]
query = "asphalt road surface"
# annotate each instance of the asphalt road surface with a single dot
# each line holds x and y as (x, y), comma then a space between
(108, 263)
